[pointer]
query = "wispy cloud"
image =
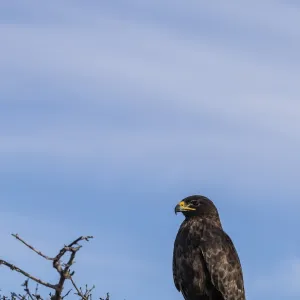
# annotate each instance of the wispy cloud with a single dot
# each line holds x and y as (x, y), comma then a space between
(186, 97)
(155, 100)
(174, 80)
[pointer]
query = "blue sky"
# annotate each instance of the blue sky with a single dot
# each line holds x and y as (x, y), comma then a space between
(113, 111)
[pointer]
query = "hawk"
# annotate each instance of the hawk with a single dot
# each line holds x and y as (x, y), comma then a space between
(206, 265)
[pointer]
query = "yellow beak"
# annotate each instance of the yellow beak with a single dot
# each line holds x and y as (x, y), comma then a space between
(182, 206)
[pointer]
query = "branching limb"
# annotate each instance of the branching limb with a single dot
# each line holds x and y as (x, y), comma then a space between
(67, 248)
(63, 270)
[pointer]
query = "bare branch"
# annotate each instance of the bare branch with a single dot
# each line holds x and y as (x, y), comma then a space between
(15, 268)
(67, 294)
(26, 289)
(63, 270)
(66, 248)
(77, 289)
(32, 248)
(106, 298)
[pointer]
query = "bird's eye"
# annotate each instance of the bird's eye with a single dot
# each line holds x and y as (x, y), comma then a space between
(194, 203)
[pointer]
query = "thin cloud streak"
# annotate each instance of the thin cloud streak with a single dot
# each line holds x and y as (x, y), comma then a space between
(176, 85)
(153, 101)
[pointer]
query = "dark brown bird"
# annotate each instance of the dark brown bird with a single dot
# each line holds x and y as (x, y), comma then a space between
(206, 265)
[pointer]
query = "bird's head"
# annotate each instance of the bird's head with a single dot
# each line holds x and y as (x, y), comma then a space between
(197, 205)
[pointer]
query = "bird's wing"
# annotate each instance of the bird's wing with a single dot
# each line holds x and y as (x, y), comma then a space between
(175, 266)
(176, 270)
(223, 264)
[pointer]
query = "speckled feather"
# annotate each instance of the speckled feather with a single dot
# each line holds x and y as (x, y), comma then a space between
(206, 265)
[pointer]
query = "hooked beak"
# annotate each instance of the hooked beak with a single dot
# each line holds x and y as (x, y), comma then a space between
(182, 206)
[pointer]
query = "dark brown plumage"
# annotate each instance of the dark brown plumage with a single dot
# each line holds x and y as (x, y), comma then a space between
(206, 265)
